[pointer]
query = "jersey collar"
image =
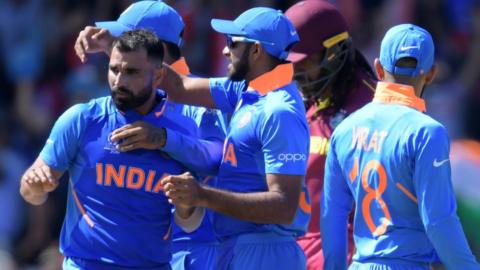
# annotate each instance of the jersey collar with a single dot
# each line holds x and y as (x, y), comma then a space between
(157, 110)
(398, 94)
(279, 76)
(180, 66)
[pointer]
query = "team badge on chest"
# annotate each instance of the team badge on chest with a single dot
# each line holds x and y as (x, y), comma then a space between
(112, 146)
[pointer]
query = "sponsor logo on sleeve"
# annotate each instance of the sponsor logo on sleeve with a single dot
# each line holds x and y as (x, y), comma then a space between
(292, 157)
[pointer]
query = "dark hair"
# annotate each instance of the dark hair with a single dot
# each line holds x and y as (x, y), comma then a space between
(405, 62)
(274, 61)
(134, 40)
(346, 78)
(173, 50)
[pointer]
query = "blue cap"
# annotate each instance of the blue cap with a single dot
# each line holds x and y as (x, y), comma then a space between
(407, 40)
(270, 27)
(155, 16)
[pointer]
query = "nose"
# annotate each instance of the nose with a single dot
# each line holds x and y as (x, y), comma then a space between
(226, 51)
(119, 80)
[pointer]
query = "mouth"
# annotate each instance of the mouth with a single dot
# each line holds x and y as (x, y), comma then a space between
(121, 94)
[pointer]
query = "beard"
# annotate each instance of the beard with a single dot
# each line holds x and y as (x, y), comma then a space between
(125, 100)
(240, 68)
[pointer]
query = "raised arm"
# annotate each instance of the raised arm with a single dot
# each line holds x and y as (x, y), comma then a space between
(187, 90)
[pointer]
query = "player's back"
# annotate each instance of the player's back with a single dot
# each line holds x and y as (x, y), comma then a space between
(376, 148)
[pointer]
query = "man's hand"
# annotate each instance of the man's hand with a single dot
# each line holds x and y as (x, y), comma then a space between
(139, 135)
(40, 178)
(183, 190)
(36, 182)
(93, 40)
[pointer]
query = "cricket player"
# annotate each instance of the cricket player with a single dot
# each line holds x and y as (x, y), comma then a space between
(391, 161)
(335, 80)
(199, 152)
(260, 201)
(117, 214)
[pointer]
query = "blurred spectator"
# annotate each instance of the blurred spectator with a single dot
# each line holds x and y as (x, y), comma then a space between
(22, 42)
(12, 207)
(84, 83)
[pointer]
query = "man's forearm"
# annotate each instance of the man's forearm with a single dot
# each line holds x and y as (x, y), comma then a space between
(187, 90)
(267, 207)
(208, 154)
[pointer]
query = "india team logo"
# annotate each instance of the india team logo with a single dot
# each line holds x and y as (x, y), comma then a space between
(112, 146)
(246, 117)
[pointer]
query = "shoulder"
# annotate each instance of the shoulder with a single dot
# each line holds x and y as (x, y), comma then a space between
(95, 108)
(427, 128)
(351, 120)
(285, 99)
(281, 108)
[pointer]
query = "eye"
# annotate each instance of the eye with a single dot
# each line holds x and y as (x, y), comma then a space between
(230, 43)
(113, 69)
(131, 71)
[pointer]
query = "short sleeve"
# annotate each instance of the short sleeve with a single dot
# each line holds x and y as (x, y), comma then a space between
(285, 142)
(226, 93)
(62, 145)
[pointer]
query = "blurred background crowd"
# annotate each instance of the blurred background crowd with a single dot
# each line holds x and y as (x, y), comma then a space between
(40, 76)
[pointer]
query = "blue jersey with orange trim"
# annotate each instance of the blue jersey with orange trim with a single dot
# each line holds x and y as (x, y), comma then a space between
(268, 134)
(392, 161)
(116, 212)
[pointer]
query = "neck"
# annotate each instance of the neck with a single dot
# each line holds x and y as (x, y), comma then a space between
(416, 82)
(258, 70)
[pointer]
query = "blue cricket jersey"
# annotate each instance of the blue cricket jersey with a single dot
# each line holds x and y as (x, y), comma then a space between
(392, 161)
(268, 134)
(117, 212)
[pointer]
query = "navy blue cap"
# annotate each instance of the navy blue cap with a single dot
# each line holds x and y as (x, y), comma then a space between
(268, 26)
(155, 16)
(407, 40)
